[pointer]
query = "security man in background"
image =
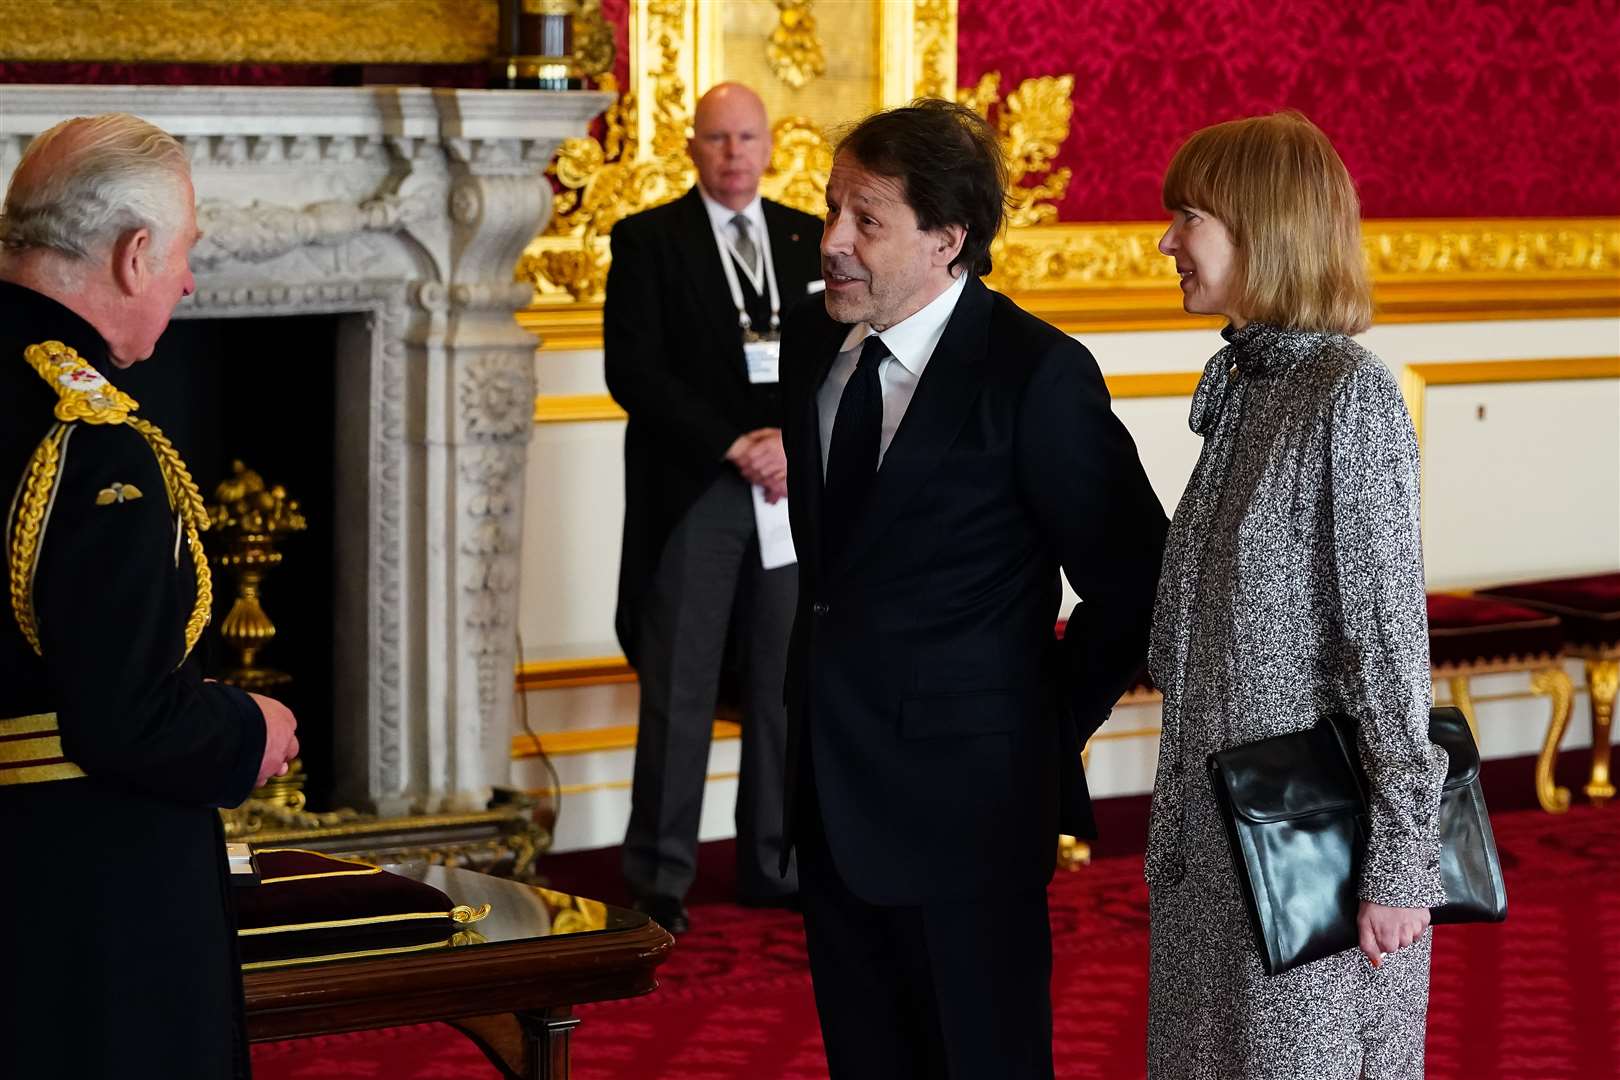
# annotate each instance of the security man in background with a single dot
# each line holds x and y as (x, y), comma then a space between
(115, 754)
(695, 298)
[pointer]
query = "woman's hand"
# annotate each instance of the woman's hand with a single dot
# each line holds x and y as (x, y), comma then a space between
(1385, 929)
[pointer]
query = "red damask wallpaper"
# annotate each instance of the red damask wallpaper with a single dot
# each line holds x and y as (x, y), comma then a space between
(1440, 108)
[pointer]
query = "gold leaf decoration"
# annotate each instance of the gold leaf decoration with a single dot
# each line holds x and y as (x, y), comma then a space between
(593, 40)
(801, 159)
(934, 35)
(794, 51)
(1033, 122)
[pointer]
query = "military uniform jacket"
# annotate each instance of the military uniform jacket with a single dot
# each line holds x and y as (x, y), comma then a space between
(120, 955)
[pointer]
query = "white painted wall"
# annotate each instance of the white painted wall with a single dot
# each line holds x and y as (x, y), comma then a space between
(1530, 490)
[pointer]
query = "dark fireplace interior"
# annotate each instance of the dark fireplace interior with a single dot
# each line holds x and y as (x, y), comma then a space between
(263, 391)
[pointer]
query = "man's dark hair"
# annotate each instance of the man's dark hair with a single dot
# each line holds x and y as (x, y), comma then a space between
(948, 163)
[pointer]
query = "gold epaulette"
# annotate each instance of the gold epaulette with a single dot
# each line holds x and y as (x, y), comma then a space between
(85, 396)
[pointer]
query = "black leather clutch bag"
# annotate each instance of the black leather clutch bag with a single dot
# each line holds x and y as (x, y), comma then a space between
(1295, 811)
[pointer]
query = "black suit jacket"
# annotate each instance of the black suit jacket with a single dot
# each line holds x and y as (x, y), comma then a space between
(674, 362)
(134, 849)
(944, 718)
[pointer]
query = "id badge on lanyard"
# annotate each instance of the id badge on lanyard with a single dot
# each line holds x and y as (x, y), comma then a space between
(762, 352)
(764, 358)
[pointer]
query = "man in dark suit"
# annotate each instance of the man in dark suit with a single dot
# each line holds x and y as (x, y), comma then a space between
(695, 298)
(114, 752)
(947, 454)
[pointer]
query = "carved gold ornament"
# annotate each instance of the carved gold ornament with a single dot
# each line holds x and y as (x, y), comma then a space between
(594, 51)
(1033, 123)
(794, 51)
(934, 45)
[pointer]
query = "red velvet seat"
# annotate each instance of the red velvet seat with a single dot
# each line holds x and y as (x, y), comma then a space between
(1477, 635)
(1466, 631)
(1588, 606)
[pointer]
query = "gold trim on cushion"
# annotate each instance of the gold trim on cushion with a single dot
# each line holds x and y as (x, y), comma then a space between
(365, 869)
(460, 937)
(461, 913)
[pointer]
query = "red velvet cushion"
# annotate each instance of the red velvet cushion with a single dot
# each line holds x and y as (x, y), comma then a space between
(1466, 630)
(307, 903)
(1589, 605)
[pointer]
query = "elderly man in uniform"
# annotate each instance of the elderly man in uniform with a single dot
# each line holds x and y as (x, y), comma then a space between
(114, 752)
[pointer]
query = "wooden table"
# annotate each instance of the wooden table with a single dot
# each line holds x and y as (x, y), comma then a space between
(510, 984)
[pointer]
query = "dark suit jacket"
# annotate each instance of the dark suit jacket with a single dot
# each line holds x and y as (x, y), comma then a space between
(131, 856)
(675, 363)
(944, 718)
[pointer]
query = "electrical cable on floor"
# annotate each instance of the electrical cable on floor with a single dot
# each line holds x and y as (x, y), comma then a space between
(521, 704)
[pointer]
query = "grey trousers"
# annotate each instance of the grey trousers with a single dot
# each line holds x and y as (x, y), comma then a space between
(709, 580)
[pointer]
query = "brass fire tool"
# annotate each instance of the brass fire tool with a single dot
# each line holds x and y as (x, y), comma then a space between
(250, 520)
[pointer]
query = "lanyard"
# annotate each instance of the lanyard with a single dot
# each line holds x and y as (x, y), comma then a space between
(729, 260)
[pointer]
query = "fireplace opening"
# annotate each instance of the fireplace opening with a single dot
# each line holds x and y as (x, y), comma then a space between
(263, 391)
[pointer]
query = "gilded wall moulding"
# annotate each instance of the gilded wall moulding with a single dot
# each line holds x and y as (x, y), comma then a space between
(934, 43)
(794, 51)
(1091, 277)
(639, 158)
(1033, 123)
(250, 31)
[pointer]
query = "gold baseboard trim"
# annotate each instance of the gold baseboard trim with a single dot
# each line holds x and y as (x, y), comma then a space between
(575, 408)
(596, 740)
(577, 671)
(606, 785)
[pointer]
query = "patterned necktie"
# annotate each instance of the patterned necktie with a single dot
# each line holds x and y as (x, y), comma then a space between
(852, 454)
(745, 243)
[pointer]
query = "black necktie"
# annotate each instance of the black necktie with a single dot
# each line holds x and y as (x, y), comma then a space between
(852, 455)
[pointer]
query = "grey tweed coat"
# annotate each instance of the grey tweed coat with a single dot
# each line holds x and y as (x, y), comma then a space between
(1292, 588)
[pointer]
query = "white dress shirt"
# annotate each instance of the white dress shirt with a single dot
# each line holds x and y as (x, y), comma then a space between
(725, 235)
(911, 343)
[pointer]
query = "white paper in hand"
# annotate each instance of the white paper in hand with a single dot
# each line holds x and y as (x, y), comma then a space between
(775, 534)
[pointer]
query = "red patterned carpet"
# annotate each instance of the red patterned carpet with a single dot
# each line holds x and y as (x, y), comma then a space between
(1536, 999)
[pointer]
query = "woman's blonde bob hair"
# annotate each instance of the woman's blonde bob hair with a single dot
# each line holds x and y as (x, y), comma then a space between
(1279, 187)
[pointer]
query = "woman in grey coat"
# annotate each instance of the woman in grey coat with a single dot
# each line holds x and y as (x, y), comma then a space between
(1292, 589)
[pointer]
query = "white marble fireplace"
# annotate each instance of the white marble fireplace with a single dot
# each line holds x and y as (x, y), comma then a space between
(403, 211)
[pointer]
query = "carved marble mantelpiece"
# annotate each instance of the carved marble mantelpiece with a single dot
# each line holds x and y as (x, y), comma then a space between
(404, 210)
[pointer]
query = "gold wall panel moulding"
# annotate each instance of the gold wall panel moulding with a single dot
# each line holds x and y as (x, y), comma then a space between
(250, 31)
(574, 408)
(594, 740)
(1087, 277)
(1417, 378)
(579, 671)
(607, 785)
